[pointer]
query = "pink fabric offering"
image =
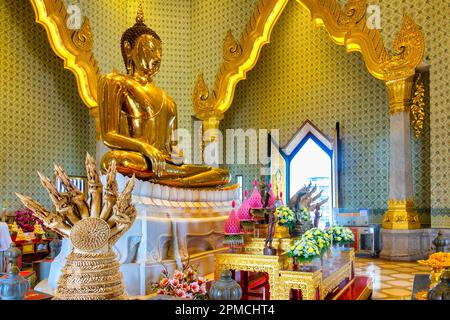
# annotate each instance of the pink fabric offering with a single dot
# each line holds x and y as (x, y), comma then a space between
(244, 209)
(233, 225)
(272, 198)
(255, 200)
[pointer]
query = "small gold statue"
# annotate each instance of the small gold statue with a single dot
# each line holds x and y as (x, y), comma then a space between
(138, 119)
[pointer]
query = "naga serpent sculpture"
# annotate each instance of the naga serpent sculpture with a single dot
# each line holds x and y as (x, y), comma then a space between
(91, 271)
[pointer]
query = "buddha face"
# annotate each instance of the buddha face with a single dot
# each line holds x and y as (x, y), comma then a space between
(145, 56)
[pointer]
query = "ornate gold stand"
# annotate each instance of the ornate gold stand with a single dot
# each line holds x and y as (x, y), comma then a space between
(315, 284)
(401, 215)
(256, 245)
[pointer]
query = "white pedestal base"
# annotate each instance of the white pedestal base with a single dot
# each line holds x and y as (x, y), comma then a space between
(173, 225)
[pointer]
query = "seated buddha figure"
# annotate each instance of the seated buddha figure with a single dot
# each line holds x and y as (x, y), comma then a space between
(138, 119)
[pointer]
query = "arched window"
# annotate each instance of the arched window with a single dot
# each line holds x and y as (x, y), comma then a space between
(309, 157)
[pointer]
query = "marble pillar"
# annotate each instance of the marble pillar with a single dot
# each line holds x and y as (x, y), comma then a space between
(401, 212)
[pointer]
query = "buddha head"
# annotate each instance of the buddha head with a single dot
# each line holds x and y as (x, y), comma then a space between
(141, 48)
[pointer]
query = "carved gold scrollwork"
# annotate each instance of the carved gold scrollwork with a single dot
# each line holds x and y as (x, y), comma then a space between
(408, 52)
(353, 12)
(418, 107)
(239, 57)
(83, 38)
(74, 47)
(401, 214)
(231, 48)
(282, 280)
(204, 108)
(346, 26)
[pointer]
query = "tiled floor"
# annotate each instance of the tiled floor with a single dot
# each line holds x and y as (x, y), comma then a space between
(392, 280)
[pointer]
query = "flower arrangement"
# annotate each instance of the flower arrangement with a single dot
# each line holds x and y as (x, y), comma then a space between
(340, 235)
(13, 228)
(26, 220)
(439, 260)
(321, 238)
(286, 217)
(303, 216)
(39, 231)
(304, 250)
(21, 235)
(182, 284)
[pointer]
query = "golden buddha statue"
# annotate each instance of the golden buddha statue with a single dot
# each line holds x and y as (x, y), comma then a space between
(138, 119)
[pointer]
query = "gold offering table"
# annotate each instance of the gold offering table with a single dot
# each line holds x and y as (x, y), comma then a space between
(312, 282)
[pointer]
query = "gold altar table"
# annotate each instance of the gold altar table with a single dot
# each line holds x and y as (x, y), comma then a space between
(314, 282)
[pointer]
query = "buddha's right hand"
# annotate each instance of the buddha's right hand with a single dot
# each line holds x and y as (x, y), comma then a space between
(156, 157)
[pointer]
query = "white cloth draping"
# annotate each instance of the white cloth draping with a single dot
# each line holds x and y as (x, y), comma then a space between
(5, 237)
(5, 241)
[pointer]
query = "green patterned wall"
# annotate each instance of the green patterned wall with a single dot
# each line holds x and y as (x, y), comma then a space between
(207, 42)
(431, 156)
(42, 119)
(303, 75)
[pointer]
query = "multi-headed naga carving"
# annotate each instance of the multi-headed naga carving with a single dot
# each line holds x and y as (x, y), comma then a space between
(91, 271)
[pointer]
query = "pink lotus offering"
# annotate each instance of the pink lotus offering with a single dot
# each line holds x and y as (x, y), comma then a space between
(255, 200)
(232, 233)
(195, 287)
(232, 225)
(164, 282)
(178, 274)
(174, 282)
(272, 198)
(245, 217)
(244, 209)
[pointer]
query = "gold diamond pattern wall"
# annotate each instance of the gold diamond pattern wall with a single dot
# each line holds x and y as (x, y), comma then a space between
(323, 80)
(42, 118)
(430, 158)
(303, 75)
(211, 20)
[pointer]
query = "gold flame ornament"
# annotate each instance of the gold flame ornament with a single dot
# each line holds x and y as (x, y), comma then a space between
(418, 107)
(91, 271)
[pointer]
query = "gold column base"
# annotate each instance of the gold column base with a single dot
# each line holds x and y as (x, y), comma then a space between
(401, 215)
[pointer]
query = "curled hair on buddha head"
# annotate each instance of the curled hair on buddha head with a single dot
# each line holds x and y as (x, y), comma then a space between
(132, 34)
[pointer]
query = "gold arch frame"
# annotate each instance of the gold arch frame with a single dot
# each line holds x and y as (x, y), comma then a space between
(74, 47)
(346, 26)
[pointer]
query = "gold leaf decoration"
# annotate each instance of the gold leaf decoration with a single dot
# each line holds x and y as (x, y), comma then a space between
(346, 26)
(83, 38)
(418, 107)
(231, 48)
(353, 12)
